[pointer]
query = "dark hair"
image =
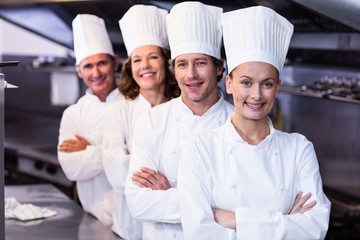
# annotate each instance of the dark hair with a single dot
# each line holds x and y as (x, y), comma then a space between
(130, 89)
(217, 63)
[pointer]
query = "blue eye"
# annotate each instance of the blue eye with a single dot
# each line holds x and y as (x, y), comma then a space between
(246, 83)
(268, 84)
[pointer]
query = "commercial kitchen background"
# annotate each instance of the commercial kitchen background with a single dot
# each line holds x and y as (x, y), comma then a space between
(320, 97)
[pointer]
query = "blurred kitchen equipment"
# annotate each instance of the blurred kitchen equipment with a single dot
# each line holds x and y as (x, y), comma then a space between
(2, 76)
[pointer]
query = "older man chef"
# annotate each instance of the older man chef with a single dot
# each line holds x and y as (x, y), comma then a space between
(80, 134)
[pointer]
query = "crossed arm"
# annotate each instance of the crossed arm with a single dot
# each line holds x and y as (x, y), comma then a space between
(73, 145)
(148, 178)
(227, 219)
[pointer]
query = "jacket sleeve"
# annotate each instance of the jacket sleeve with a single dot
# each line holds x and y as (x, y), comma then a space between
(144, 203)
(194, 184)
(312, 224)
(79, 165)
(115, 153)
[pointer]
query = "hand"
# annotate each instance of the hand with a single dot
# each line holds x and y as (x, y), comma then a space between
(224, 218)
(298, 205)
(148, 178)
(73, 145)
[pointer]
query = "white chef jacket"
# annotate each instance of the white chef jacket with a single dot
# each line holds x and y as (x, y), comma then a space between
(259, 183)
(86, 167)
(157, 140)
(118, 128)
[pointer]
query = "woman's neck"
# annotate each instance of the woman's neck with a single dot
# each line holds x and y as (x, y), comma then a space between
(154, 97)
(252, 131)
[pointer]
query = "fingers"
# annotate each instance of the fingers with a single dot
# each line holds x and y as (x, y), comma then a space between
(62, 148)
(65, 146)
(299, 205)
(148, 171)
(143, 178)
(71, 145)
(152, 175)
(82, 139)
(139, 181)
(298, 197)
(151, 179)
(307, 207)
(303, 199)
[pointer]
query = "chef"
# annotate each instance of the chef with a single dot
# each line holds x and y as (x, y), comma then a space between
(194, 32)
(146, 81)
(80, 134)
(245, 179)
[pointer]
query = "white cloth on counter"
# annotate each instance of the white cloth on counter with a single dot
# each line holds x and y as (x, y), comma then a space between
(25, 212)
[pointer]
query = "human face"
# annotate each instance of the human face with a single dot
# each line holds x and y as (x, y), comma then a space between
(98, 74)
(254, 86)
(196, 75)
(148, 68)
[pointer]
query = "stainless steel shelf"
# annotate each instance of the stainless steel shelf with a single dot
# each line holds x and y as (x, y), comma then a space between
(296, 91)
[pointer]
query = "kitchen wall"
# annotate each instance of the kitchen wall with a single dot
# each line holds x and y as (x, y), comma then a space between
(32, 114)
(333, 126)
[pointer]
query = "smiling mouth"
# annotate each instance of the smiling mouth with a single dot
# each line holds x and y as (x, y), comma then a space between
(98, 80)
(193, 85)
(254, 106)
(147, 74)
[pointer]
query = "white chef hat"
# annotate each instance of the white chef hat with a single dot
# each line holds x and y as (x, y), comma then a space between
(144, 25)
(90, 37)
(194, 27)
(256, 34)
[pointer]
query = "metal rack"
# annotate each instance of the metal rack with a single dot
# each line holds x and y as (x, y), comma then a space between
(2, 101)
(315, 94)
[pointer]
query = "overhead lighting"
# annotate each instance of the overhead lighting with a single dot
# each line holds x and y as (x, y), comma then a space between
(40, 20)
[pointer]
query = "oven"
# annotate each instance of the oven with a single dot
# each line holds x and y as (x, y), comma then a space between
(30, 152)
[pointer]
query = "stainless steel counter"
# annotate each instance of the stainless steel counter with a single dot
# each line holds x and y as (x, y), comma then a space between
(70, 223)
